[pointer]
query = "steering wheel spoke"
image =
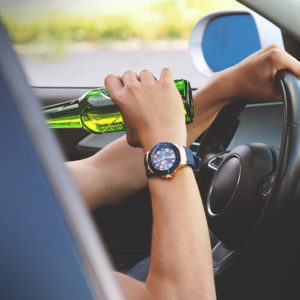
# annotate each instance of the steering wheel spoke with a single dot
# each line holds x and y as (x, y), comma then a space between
(214, 163)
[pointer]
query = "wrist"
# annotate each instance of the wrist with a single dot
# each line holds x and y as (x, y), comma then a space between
(166, 158)
(224, 86)
(210, 99)
(149, 143)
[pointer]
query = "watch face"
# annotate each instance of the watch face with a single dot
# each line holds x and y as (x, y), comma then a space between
(164, 158)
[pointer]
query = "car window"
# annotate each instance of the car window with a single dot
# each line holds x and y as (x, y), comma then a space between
(77, 43)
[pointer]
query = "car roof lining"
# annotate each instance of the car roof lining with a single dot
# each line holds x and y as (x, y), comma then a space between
(284, 15)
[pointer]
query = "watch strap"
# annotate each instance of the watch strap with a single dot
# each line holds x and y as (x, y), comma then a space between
(191, 159)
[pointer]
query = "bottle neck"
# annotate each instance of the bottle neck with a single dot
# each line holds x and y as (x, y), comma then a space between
(63, 115)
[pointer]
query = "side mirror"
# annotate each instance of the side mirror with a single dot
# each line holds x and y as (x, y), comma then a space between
(223, 38)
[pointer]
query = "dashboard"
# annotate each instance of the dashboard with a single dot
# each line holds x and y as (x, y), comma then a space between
(259, 123)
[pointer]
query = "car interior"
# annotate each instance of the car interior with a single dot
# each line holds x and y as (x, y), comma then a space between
(255, 224)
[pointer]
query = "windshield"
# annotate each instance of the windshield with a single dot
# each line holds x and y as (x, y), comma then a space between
(67, 43)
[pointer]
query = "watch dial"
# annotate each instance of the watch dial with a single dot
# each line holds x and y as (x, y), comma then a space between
(163, 158)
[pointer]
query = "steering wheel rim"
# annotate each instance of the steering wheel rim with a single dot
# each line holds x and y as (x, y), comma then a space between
(263, 261)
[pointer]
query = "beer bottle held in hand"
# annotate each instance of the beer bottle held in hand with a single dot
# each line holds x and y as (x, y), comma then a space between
(97, 113)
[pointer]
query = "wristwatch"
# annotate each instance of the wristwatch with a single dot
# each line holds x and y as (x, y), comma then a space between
(164, 159)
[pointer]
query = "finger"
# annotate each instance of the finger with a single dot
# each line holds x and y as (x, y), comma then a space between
(113, 84)
(166, 75)
(130, 78)
(269, 48)
(266, 51)
(147, 76)
(291, 64)
(280, 60)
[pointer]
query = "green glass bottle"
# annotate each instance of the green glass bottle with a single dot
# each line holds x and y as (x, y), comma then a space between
(97, 113)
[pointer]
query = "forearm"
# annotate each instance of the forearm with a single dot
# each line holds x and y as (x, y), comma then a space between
(111, 174)
(181, 262)
(208, 101)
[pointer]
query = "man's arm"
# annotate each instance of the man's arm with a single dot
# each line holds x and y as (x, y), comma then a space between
(103, 178)
(111, 174)
(181, 262)
(153, 113)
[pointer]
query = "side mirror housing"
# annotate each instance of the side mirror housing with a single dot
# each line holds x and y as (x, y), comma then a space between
(223, 38)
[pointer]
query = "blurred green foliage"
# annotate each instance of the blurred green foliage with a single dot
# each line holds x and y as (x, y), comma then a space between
(166, 19)
(49, 31)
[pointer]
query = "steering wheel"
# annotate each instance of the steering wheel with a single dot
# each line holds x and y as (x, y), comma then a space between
(251, 197)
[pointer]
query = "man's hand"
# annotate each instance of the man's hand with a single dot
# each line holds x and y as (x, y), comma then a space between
(153, 112)
(254, 77)
(152, 109)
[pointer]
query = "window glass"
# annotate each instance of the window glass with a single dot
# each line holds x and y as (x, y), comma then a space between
(77, 43)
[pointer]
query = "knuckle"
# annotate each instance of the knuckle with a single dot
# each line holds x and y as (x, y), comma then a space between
(108, 78)
(145, 71)
(275, 55)
(127, 73)
(166, 76)
(132, 86)
(273, 46)
(166, 70)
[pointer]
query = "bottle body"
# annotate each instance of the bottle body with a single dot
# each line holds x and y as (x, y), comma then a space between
(97, 113)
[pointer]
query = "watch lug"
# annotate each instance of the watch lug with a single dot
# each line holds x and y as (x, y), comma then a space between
(168, 176)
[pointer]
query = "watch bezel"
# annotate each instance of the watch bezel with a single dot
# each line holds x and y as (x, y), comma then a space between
(175, 165)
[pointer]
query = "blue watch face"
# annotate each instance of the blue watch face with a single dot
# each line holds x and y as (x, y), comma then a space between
(163, 158)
